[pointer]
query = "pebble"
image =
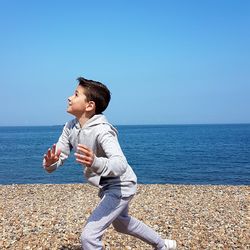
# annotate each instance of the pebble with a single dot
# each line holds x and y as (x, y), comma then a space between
(50, 216)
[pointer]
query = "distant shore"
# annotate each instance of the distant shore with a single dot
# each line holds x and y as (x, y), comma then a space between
(45, 216)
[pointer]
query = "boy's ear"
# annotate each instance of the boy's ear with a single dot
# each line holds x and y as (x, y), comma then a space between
(90, 106)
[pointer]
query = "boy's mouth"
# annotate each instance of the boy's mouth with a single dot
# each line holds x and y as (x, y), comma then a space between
(69, 105)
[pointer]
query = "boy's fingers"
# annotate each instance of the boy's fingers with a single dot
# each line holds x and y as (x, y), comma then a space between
(84, 150)
(81, 146)
(79, 160)
(84, 162)
(80, 157)
(45, 157)
(49, 153)
(83, 159)
(54, 149)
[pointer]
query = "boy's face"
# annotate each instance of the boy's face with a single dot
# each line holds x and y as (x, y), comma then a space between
(77, 103)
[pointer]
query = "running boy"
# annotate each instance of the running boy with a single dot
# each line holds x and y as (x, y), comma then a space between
(96, 147)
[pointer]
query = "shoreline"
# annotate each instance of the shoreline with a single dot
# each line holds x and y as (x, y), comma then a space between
(139, 184)
(51, 216)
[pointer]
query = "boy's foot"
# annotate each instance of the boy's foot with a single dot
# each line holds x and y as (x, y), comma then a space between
(170, 244)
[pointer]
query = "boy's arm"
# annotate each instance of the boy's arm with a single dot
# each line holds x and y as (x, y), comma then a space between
(63, 150)
(115, 163)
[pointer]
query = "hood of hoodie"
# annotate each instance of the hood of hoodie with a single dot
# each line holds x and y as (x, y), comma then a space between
(94, 121)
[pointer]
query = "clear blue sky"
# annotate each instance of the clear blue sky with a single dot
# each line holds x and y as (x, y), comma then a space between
(165, 62)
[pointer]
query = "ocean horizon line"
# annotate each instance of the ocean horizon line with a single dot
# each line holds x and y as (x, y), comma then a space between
(143, 124)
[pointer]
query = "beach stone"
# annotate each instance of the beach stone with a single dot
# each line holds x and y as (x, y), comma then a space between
(197, 217)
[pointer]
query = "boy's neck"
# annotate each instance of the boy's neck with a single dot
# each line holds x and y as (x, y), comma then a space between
(83, 119)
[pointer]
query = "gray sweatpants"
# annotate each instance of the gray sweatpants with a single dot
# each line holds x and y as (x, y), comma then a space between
(114, 210)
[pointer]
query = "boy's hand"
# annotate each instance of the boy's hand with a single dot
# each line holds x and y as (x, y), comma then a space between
(85, 155)
(52, 156)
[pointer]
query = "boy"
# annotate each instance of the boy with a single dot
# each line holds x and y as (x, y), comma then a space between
(97, 148)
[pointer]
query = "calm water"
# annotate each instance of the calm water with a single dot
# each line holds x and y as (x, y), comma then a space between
(179, 154)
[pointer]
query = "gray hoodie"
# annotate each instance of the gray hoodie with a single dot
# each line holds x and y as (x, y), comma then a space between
(110, 170)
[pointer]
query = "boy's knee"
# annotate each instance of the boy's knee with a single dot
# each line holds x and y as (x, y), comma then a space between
(87, 237)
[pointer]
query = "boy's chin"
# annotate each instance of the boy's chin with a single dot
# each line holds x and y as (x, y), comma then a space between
(70, 111)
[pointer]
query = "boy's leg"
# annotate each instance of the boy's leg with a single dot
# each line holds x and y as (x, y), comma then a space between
(128, 225)
(109, 208)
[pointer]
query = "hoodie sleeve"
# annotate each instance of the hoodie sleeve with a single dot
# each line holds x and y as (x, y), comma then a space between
(64, 145)
(115, 163)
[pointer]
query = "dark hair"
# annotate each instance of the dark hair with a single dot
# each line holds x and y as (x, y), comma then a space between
(96, 92)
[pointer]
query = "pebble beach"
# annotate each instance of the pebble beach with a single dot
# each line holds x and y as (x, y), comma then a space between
(50, 216)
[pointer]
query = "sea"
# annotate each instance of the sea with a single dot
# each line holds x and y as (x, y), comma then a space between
(159, 154)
